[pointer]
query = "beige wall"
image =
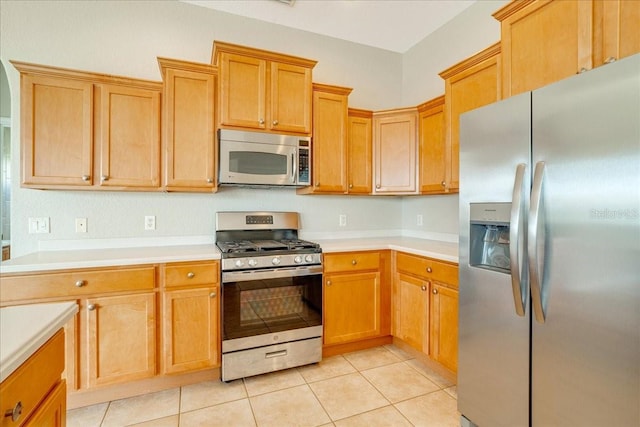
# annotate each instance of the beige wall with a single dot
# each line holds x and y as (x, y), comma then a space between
(125, 38)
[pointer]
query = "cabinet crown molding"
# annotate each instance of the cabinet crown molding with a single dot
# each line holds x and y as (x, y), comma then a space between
(512, 8)
(219, 47)
(492, 50)
(432, 103)
(197, 67)
(358, 112)
(383, 113)
(337, 90)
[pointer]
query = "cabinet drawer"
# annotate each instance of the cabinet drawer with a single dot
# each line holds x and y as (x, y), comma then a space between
(31, 382)
(76, 283)
(190, 274)
(351, 261)
(427, 268)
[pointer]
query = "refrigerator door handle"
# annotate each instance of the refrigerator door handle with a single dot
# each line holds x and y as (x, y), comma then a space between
(536, 271)
(518, 281)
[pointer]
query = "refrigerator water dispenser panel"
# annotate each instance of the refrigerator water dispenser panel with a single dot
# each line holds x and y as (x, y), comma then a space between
(489, 236)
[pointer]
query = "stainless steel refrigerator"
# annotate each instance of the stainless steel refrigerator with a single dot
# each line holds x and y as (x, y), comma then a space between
(549, 330)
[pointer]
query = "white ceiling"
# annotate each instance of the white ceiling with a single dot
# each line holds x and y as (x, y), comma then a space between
(395, 25)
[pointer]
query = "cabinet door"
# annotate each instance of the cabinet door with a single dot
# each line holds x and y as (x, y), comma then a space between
(190, 329)
(290, 98)
(352, 307)
(432, 148)
(57, 131)
(543, 42)
(329, 143)
(359, 155)
(444, 326)
(53, 411)
(129, 137)
(412, 311)
(468, 85)
(620, 34)
(395, 153)
(242, 91)
(120, 338)
(189, 137)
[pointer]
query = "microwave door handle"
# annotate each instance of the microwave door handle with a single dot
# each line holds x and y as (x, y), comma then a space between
(293, 167)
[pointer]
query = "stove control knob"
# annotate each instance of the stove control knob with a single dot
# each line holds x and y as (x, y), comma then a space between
(275, 261)
(239, 263)
(253, 262)
(297, 259)
(308, 258)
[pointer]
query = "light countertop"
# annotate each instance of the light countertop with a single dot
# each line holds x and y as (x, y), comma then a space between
(95, 258)
(25, 328)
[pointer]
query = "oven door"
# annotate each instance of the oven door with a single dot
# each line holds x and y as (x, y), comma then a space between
(257, 164)
(265, 307)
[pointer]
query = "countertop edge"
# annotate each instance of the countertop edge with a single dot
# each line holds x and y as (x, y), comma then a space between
(18, 356)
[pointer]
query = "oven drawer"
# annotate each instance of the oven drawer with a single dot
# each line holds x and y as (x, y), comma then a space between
(351, 261)
(191, 274)
(260, 360)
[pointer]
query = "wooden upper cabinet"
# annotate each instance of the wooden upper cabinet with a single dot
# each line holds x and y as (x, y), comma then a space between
(84, 130)
(359, 152)
(432, 156)
(57, 130)
(128, 136)
(188, 133)
(544, 41)
(469, 84)
(329, 140)
(263, 90)
(395, 151)
(617, 29)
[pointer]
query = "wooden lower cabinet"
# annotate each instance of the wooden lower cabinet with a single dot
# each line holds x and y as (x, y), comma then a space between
(53, 411)
(444, 325)
(190, 329)
(425, 303)
(119, 339)
(356, 296)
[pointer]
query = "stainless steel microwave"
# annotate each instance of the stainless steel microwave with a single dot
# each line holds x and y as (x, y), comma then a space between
(258, 158)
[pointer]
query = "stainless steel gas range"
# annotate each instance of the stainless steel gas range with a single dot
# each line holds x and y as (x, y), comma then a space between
(271, 293)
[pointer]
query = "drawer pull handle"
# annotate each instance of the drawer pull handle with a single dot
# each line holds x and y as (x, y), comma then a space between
(91, 307)
(212, 295)
(15, 412)
(275, 354)
(80, 283)
(354, 262)
(429, 270)
(191, 275)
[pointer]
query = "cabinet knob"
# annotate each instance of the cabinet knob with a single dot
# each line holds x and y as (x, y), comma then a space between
(86, 178)
(80, 283)
(443, 183)
(317, 184)
(191, 275)
(429, 270)
(275, 123)
(104, 178)
(209, 180)
(212, 295)
(354, 262)
(350, 185)
(423, 287)
(378, 186)
(582, 70)
(261, 121)
(91, 307)
(609, 60)
(328, 282)
(15, 412)
(435, 291)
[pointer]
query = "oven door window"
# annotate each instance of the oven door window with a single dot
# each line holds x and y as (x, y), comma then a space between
(256, 307)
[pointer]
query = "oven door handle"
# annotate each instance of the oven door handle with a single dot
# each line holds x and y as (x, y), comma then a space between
(272, 273)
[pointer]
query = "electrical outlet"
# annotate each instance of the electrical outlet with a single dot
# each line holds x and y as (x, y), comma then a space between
(150, 222)
(38, 225)
(342, 220)
(81, 225)
(419, 219)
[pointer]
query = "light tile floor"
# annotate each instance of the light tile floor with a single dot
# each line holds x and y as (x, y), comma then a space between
(382, 386)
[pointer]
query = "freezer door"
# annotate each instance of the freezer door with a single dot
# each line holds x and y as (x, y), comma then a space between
(586, 332)
(493, 356)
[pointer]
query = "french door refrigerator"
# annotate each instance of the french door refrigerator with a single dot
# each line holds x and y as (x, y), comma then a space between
(549, 313)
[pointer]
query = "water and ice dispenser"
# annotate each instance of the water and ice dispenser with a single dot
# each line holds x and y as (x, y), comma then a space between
(489, 236)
